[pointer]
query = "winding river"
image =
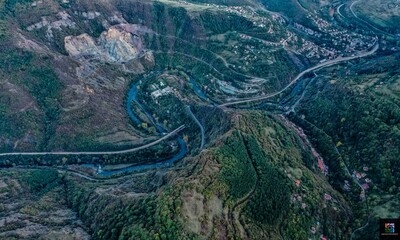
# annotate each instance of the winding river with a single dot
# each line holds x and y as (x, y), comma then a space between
(196, 88)
(133, 97)
(165, 163)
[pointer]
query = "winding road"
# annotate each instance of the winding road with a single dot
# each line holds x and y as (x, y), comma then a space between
(199, 124)
(362, 189)
(300, 75)
(293, 107)
(359, 229)
(97, 153)
(367, 23)
(338, 10)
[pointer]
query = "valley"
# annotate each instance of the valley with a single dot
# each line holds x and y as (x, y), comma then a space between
(199, 119)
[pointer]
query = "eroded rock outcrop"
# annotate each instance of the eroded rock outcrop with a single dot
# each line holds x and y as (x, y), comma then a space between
(64, 21)
(118, 44)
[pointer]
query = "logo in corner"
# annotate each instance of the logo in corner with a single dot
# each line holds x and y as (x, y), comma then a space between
(390, 228)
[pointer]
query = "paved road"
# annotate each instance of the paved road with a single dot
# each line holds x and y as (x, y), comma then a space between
(359, 229)
(293, 107)
(203, 139)
(193, 57)
(338, 10)
(97, 153)
(362, 189)
(367, 23)
(79, 175)
(300, 75)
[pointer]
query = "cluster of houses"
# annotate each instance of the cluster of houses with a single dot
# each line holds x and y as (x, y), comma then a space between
(343, 42)
(247, 12)
(361, 176)
(159, 90)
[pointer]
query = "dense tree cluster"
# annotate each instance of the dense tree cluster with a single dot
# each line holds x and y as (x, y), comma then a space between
(151, 217)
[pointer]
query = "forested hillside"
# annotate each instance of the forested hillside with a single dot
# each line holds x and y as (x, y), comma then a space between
(198, 119)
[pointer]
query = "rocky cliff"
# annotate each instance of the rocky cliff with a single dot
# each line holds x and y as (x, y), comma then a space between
(118, 44)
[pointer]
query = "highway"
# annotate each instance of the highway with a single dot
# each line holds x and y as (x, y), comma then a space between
(97, 153)
(300, 75)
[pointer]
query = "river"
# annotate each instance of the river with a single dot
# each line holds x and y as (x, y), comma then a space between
(133, 97)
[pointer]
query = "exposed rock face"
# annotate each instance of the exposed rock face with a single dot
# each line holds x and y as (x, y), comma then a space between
(64, 21)
(81, 45)
(118, 44)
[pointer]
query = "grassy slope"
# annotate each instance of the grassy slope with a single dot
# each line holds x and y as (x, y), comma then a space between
(383, 14)
(33, 80)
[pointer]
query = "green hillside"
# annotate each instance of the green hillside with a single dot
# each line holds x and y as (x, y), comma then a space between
(200, 119)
